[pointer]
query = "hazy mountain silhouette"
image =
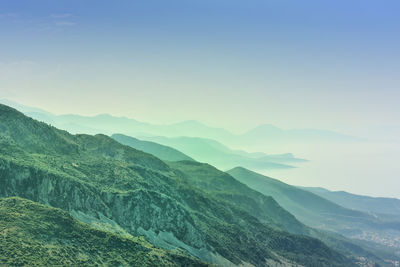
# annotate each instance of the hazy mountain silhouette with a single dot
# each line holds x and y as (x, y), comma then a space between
(387, 208)
(321, 213)
(263, 135)
(215, 153)
(160, 151)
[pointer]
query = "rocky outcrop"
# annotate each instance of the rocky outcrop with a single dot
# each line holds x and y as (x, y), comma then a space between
(161, 219)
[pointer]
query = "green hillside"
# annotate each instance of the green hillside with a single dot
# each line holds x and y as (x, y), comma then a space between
(217, 154)
(387, 208)
(308, 207)
(224, 186)
(318, 212)
(117, 188)
(160, 151)
(32, 234)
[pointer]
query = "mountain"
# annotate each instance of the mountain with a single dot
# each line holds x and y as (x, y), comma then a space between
(202, 149)
(224, 186)
(192, 128)
(33, 234)
(387, 208)
(278, 158)
(23, 108)
(268, 133)
(321, 213)
(116, 188)
(160, 151)
(108, 124)
(215, 153)
(261, 137)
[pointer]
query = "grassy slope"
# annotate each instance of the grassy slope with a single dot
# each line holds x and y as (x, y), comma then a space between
(381, 206)
(308, 207)
(321, 213)
(224, 186)
(34, 234)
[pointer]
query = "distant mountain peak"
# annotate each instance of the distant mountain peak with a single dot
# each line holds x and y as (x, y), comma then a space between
(265, 128)
(191, 122)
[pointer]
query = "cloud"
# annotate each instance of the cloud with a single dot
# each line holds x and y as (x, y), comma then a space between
(8, 15)
(61, 16)
(62, 19)
(65, 23)
(51, 22)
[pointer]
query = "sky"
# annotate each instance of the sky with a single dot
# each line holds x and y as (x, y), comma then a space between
(229, 63)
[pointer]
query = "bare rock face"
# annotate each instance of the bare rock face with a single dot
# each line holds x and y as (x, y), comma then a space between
(33, 234)
(139, 212)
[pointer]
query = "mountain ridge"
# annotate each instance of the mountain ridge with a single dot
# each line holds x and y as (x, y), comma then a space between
(160, 151)
(217, 154)
(318, 212)
(249, 137)
(380, 206)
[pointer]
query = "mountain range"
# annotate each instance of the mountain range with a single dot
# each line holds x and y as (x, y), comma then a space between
(264, 135)
(158, 150)
(185, 138)
(190, 212)
(327, 213)
(129, 193)
(383, 207)
(217, 154)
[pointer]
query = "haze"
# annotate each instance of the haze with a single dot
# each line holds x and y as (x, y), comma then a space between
(230, 64)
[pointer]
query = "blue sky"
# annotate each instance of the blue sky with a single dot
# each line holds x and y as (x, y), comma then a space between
(235, 64)
(337, 58)
(325, 60)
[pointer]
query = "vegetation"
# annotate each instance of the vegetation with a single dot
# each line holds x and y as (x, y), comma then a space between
(117, 188)
(217, 154)
(223, 186)
(160, 151)
(32, 234)
(385, 208)
(321, 213)
(309, 207)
